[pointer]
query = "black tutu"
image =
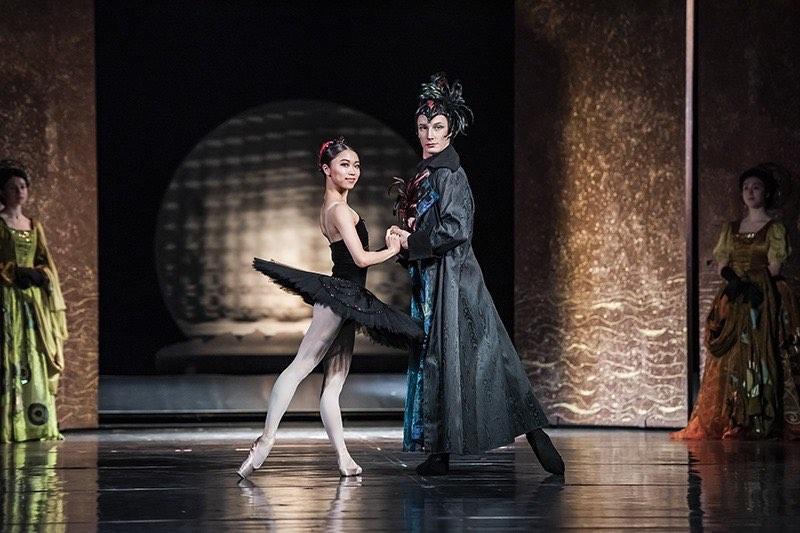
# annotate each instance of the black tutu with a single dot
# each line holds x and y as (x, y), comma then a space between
(381, 322)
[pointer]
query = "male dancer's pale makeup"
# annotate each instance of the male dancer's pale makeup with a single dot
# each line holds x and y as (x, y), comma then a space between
(344, 170)
(433, 135)
(753, 192)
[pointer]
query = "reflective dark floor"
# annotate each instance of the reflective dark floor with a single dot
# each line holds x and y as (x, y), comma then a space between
(183, 480)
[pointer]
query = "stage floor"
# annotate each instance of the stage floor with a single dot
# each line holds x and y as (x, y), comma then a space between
(182, 479)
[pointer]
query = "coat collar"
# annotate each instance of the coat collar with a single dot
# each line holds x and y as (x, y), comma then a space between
(447, 158)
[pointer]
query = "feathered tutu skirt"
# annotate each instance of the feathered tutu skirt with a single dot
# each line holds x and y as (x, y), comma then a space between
(381, 322)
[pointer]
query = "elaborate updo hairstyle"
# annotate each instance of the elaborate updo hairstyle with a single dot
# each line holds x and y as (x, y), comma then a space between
(329, 150)
(438, 97)
(10, 168)
(766, 172)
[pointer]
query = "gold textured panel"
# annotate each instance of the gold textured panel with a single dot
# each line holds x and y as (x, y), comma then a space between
(47, 112)
(600, 297)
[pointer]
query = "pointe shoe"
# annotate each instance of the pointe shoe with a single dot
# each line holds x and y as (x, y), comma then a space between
(258, 453)
(545, 451)
(437, 464)
(348, 467)
(350, 471)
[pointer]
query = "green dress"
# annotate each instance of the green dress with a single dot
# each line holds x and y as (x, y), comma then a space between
(34, 330)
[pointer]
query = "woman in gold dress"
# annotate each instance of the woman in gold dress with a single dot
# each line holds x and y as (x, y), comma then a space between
(32, 313)
(749, 388)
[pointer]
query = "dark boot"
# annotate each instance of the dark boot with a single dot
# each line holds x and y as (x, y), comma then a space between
(437, 464)
(545, 451)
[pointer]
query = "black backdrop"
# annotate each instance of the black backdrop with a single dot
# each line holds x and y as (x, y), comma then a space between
(170, 72)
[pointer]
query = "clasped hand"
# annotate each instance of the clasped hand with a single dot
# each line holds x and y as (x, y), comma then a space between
(737, 286)
(400, 234)
(392, 241)
(26, 277)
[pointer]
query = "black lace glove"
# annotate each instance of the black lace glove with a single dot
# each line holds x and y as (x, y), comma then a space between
(26, 277)
(735, 284)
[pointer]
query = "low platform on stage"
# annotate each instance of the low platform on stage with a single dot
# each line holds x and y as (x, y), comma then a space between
(229, 376)
(182, 479)
(230, 396)
(256, 353)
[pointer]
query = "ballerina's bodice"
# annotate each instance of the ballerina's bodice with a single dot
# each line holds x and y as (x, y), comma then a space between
(343, 264)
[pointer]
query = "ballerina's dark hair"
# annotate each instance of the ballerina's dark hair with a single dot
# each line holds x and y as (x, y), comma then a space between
(438, 97)
(330, 149)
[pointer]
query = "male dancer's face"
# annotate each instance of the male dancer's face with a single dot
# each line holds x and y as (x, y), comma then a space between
(433, 135)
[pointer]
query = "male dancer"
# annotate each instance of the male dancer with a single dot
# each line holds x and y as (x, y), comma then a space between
(467, 390)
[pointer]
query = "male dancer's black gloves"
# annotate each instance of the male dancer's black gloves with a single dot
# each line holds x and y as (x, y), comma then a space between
(25, 277)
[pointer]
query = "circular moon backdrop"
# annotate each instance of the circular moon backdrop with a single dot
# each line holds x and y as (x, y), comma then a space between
(251, 188)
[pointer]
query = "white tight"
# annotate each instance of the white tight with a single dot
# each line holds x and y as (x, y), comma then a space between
(327, 334)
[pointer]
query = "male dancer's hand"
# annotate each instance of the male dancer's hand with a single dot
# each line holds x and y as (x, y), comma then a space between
(403, 234)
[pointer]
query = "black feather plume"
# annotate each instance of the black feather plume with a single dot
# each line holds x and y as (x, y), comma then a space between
(439, 97)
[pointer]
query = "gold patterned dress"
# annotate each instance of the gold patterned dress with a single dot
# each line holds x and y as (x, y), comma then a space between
(749, 388)
(33, 334)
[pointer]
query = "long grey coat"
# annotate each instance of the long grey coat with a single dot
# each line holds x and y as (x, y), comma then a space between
(475, 394)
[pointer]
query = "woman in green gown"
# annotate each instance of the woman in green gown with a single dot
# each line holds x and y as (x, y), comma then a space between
(750, 382)
(33, 318)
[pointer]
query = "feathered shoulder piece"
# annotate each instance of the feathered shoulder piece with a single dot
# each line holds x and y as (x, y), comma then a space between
(405, 205)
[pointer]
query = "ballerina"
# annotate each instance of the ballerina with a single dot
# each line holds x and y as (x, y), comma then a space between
(341, 305)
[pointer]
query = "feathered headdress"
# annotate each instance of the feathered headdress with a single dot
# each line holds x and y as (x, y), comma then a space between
(438, 97)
